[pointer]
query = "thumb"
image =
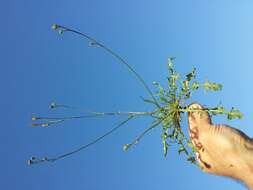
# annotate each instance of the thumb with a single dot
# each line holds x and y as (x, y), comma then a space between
(198, 118)
(199, 122)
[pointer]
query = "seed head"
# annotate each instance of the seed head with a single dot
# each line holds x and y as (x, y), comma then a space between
(55, 26)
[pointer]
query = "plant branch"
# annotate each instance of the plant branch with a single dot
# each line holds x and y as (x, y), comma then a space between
(35, 160)
(56, 120)
(94, 42)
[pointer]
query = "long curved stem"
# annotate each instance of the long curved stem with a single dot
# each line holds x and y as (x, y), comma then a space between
(110, 51)
(35, 160)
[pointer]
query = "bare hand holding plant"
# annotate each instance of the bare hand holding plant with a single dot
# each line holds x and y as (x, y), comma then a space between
(221, 149)
(216, 146)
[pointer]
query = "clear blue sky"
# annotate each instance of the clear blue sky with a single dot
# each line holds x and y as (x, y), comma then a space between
(38, 66)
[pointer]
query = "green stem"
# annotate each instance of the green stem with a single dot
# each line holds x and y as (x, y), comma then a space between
(96, 114)
(212, 110)
(40, 160)
(110, 51)
(136, 141)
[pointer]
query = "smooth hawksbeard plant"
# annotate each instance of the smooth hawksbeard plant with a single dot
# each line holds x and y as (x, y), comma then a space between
(169, 106)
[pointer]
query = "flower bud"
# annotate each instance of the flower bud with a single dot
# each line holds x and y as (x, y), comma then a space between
(61, 31)
(55, 26)
(29, 162)
(126, 147)
(45, 125)
(35, 118)
(53, 105)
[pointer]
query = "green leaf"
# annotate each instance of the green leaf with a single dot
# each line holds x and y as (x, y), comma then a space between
(170, 64)
(195, 86)
(188, 95)
(191, 145)
(165, 148)
(181, 149)
(234, 113)
(191, 159)
(185, 85)
(191, 75)
(159, 87)
(212, 86)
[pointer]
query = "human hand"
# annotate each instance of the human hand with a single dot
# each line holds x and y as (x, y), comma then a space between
(221, 149)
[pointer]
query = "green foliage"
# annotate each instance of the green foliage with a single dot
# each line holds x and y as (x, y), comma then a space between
(234, 113)
(169, 106)
(174, 103)
(212, 86)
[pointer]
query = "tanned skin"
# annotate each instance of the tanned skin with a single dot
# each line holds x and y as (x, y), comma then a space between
(221, 149)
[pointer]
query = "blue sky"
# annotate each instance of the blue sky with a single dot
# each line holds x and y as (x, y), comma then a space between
(38, 67)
